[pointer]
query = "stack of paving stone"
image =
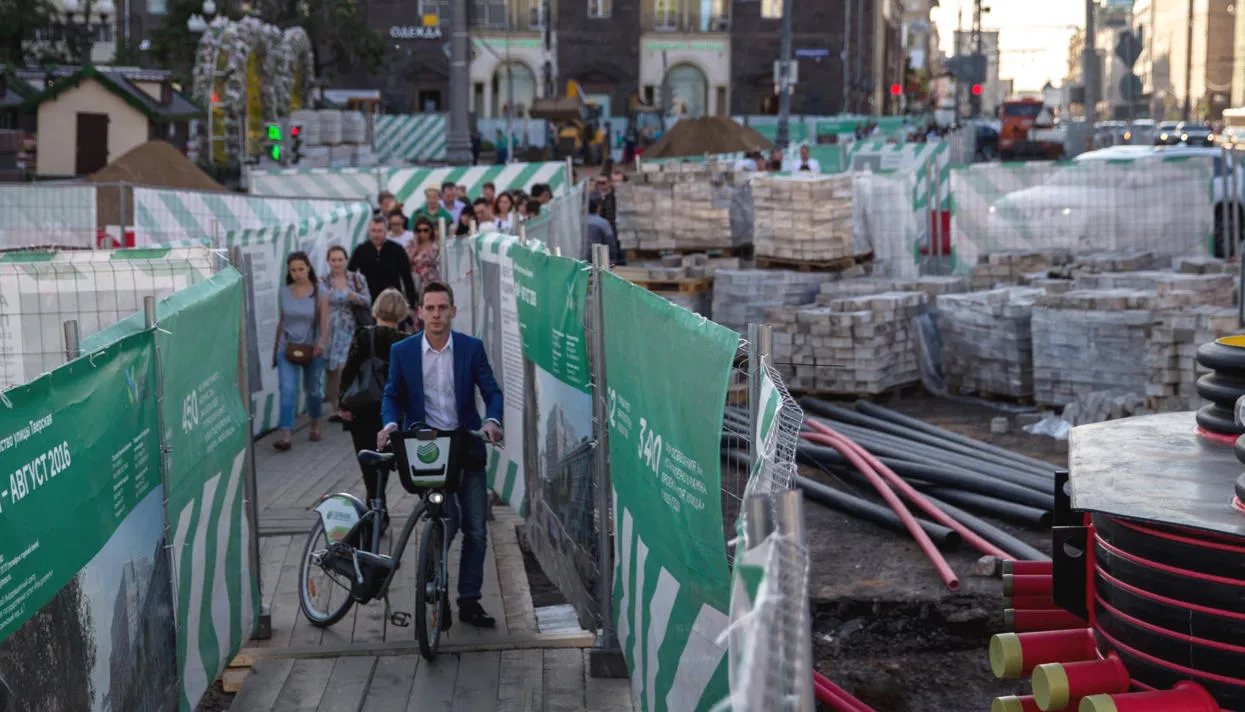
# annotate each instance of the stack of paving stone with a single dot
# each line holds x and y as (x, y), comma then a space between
(805, 219)
(1204, 265)
(1213, 289)
(742, 296)
(853, 346)
(932, 286)
(987, 346)
(1012, 266)
(1090, 340)
(1125, 261)
(1171, 353)
(679, 206)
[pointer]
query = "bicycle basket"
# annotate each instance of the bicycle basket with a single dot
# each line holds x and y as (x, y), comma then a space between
(430, 458)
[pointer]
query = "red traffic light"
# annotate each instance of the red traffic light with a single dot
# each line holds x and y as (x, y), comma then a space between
(896, 90)
(296, 131)
(976, 90)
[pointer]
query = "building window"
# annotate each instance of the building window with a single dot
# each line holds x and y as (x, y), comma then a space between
(722, 108)
(438, 8)
(157, 7)
(514, 88)
(490, 13)
(689, 91)
(665, 14)
(599, 9)
(771, 9)
(714, 16)
(536, 14)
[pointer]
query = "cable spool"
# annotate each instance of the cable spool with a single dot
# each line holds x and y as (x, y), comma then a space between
(1170, 602)
(1226, 358)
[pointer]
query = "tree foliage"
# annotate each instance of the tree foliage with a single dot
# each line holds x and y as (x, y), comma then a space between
(47, 663)
(338, 30)
(18, 21)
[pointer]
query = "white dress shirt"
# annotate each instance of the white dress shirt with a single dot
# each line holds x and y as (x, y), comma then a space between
(440, 410)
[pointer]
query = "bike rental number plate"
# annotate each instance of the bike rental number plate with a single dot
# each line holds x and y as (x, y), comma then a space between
(428, 459)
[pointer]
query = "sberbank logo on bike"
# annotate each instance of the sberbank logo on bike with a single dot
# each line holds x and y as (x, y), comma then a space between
(428, 453)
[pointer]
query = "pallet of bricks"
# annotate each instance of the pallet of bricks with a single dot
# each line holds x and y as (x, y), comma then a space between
(683, 207)
(686, 280)
(806, 223)
(987, 345)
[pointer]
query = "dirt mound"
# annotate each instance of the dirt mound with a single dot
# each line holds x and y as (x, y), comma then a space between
(156, 164)
(708, 134)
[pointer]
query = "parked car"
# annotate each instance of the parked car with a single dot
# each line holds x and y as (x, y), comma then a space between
(1167, 134)
(1195, 134)
(1140, 132)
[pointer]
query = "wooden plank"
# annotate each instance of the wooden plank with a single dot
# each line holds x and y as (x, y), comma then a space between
(434, 684)
(606, 694)
(564, 681)
(391, 683)
(272, 553)
(476, 688)
(261, 689)
(520, 683)
(402, 588)
(490, 596)
(297, 630)
(449, 645)
(347, 684)
(512, 576)
(233, 678)
(305, 686)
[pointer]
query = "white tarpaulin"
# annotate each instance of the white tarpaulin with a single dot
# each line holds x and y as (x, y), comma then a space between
(47, 215)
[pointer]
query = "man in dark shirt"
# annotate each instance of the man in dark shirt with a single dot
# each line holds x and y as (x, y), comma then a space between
(601, 233)
(384, 264)
(604, 193)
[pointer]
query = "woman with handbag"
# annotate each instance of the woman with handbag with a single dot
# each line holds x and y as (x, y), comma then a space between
(349, 306)
(365, 374)
(303, 332)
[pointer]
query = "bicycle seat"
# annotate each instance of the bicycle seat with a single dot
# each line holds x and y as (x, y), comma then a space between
(371, 457)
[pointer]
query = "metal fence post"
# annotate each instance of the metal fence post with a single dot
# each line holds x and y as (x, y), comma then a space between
(760, 346)
(605, 658)
(73, 345)
(790, 516)
(149, 321)
(1231, 203)
(263, 626)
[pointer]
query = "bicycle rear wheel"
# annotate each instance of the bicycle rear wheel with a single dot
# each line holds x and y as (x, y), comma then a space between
(430, 590)
(322, 603)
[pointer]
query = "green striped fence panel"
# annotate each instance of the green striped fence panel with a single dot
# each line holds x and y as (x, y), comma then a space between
(411, 137)
(336, 183)
(408, 184)
(161, 214)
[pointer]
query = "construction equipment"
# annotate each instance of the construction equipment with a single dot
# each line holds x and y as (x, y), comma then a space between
(1028, 131)
(576, 124)
(644, 122)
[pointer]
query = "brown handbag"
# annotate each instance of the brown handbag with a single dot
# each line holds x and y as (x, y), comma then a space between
(303, 354)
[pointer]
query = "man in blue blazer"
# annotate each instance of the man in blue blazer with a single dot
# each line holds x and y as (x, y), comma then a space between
(433, 377)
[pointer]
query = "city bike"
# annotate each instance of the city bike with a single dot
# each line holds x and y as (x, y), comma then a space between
(345, 542)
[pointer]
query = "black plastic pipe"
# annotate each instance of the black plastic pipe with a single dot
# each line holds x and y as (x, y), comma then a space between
(893, 446)
(991, 533)
(878, 514)
(877, 411)
(845, 415)
(938, 474)
(1024, 515)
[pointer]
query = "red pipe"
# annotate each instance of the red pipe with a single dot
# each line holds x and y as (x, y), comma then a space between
(1020, 585)
(827, 690)
(1028, 568)
(910, 493)
(1014, 655)
(1055, 685)
(1028, 603)
(853, 455)
(1184, 697)
(1026, 703)
(1024, 621)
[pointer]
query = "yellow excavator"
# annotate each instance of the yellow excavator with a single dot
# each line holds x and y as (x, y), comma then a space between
(576, 124)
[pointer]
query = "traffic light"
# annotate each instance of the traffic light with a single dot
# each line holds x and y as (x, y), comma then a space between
(274, 141)
(896, 90)
(296, 142)
(976, 90)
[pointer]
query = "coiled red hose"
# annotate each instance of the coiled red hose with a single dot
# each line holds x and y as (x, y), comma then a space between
(836, 697)
(856, 455)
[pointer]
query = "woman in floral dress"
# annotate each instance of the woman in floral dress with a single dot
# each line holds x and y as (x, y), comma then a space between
(347, 293)
(425, 254)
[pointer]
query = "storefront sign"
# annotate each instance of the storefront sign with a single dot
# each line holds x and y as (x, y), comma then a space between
(684, 46)
(415, 32)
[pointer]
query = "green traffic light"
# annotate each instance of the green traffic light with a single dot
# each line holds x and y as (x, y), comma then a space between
(274, 132)
(276, 153)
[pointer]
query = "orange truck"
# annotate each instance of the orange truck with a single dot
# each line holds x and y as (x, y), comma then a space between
(1028, 131)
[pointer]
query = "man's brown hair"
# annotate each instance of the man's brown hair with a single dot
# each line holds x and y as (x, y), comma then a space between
(436, 287)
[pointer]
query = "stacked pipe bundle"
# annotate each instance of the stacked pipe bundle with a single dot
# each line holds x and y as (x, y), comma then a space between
(952, 472)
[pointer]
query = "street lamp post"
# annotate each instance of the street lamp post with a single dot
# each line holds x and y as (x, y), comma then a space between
(197, 23)
(78, 27)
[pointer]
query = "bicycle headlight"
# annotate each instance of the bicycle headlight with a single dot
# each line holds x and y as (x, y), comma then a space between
(436, 497)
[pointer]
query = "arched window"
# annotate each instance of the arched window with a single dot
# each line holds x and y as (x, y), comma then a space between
(513, 77)
(689, 91)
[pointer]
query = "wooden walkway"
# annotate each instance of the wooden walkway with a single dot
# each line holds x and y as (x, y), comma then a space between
(366, 663)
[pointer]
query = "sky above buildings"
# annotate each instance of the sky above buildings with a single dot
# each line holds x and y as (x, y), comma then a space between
(1033, 37)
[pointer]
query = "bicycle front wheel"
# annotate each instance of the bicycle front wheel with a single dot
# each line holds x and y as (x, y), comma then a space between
(322, 594)
(430, 590)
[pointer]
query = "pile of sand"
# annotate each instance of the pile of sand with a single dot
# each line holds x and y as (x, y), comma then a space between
(708, 134)
(155, 164)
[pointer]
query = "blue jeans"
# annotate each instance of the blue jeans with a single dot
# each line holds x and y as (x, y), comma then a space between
(469, 507)
(287, 374)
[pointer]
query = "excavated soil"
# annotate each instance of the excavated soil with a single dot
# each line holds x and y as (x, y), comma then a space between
(155, 163)
(708, 134)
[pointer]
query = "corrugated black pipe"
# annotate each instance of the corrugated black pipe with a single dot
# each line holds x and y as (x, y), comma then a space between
(880, 515)
(991, 533)
(845, 415)
(938, 474)
(893, 446)
(877, 411)
(1021, 514)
